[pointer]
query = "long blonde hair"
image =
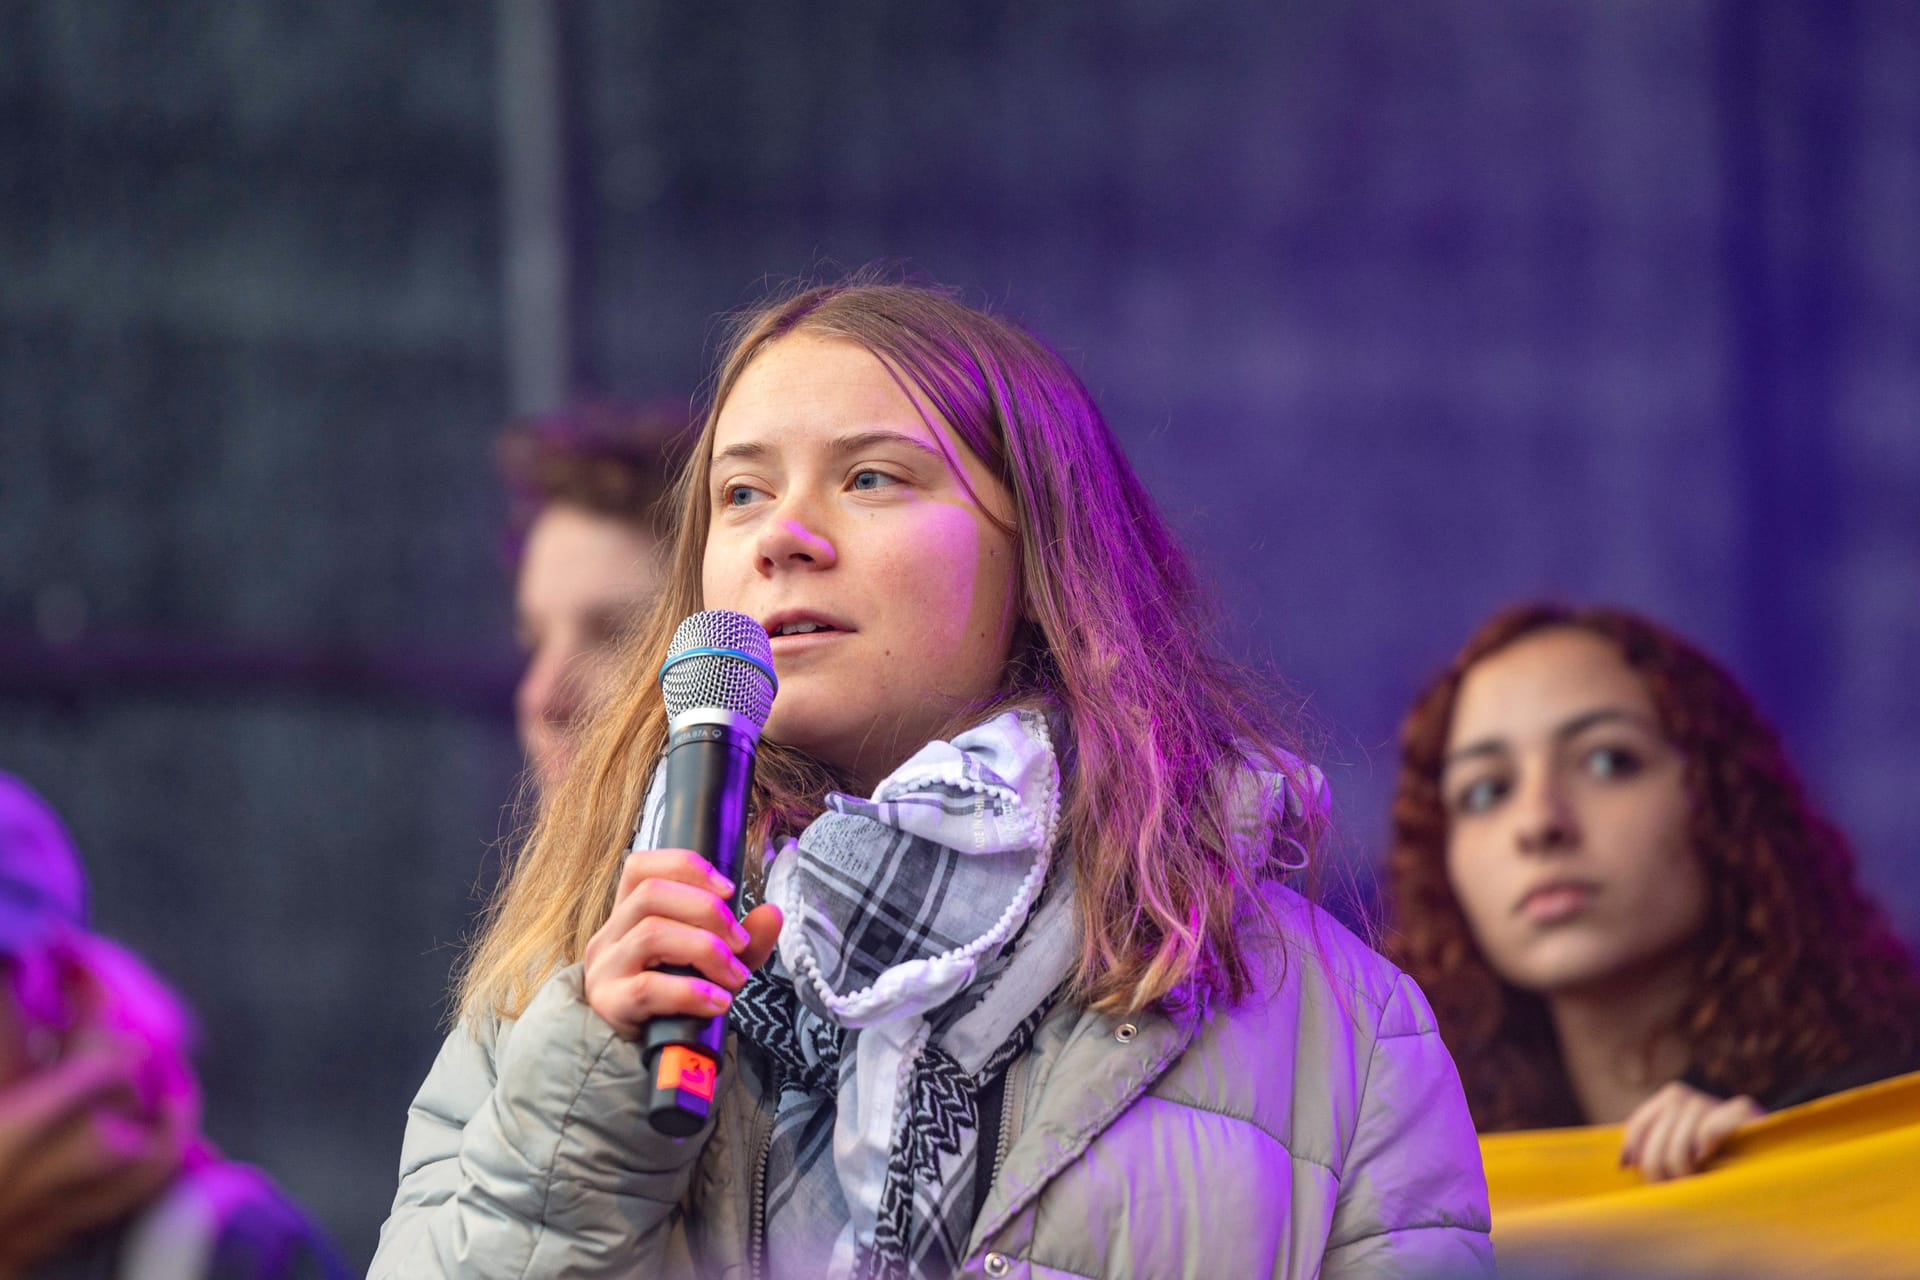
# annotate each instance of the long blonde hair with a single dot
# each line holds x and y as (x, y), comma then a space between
(1163, 732)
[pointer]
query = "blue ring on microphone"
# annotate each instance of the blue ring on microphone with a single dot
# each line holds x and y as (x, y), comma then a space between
(745, 657)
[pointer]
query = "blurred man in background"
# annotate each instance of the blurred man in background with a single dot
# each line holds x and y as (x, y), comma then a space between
(587, 544)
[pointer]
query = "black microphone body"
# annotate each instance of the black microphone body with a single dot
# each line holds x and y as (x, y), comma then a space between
(718, 686)
(709, 768)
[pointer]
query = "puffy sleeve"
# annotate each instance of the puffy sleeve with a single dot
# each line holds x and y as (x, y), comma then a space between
(1413, 1197)
(527, 1153)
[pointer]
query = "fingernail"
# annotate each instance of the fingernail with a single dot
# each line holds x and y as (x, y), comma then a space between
(721, 885)
(718, 1000)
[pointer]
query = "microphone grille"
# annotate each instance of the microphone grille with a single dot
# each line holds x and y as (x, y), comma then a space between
(719, 658)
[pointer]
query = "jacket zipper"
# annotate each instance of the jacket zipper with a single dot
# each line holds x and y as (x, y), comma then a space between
(763, 1143)
(1012, 1100)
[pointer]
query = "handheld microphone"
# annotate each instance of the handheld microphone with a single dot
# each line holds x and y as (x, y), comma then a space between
(718, 685)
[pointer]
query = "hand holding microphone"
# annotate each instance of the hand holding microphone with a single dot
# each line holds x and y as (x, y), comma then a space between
(663, 968)
(673, 908)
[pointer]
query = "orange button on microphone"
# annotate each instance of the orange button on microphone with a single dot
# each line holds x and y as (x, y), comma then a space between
(687, 1070)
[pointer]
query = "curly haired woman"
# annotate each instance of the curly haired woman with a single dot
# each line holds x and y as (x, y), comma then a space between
(1610, 882)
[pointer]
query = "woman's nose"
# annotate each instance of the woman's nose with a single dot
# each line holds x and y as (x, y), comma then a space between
(795, 538)
(1545, 820)
(549, 688)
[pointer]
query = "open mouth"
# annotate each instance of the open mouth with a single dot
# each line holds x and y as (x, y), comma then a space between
(806, 628)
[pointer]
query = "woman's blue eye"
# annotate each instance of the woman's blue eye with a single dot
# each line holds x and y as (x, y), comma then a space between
(1478, 796)
(872, 479)
(739, 495)
(1612, 762)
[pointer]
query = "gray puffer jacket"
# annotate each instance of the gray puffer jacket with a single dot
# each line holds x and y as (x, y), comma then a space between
(1320, 1131)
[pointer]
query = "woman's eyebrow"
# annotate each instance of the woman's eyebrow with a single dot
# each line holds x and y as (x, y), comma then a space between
(748, 451)
(1567, 731)
(1484, 747)
(1603, 715)
(856, 441)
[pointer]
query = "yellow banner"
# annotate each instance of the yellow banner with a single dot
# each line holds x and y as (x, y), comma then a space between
(1829, 1188)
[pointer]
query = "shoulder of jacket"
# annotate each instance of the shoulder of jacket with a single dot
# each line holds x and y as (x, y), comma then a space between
(558, 994)
(475, 1051)
(1324, 960)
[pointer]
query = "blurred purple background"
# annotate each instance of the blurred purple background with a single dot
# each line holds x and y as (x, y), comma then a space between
(1404, 312)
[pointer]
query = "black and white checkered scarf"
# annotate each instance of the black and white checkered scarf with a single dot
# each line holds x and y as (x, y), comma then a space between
(917, 958)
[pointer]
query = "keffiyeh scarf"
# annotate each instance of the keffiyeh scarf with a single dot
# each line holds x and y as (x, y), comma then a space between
(924, 939)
